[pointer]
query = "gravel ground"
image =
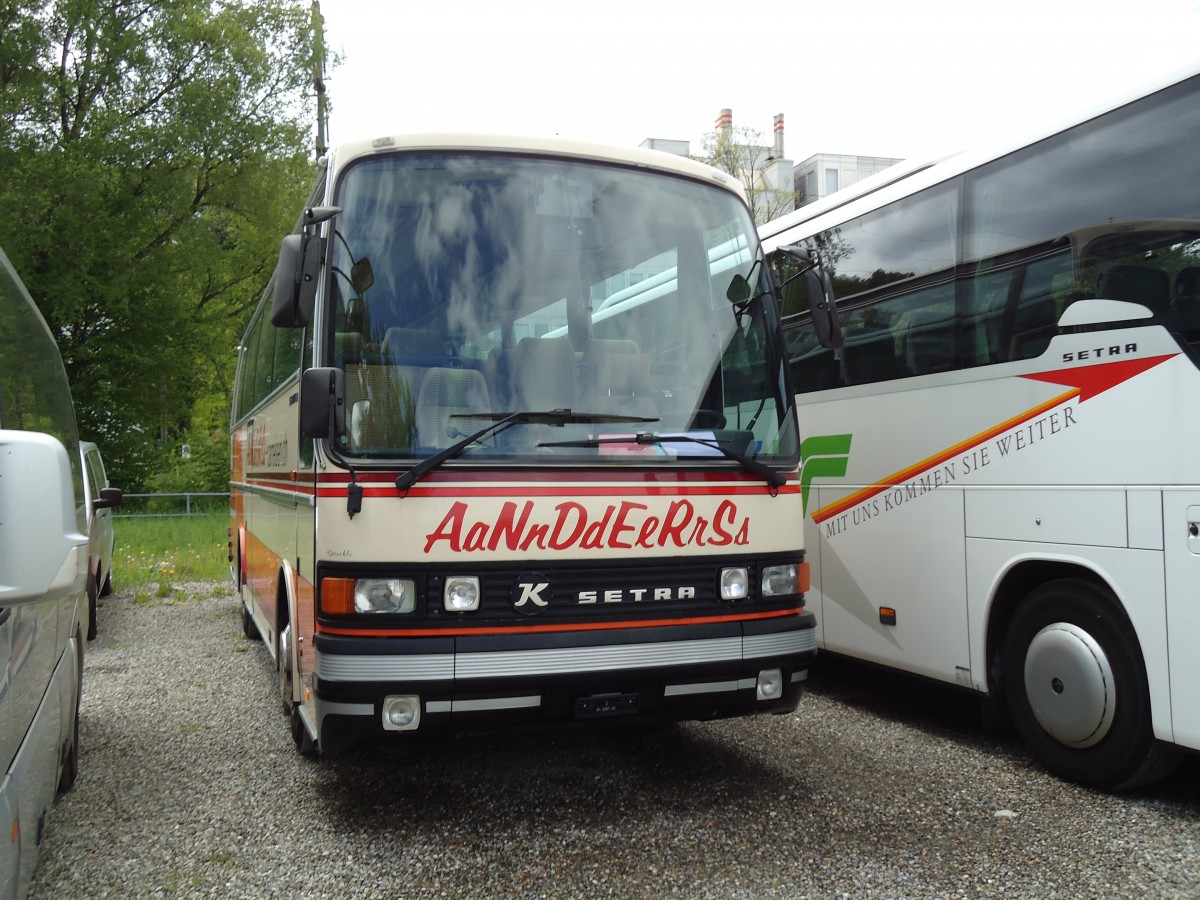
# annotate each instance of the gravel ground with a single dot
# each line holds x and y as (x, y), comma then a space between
(876, 787)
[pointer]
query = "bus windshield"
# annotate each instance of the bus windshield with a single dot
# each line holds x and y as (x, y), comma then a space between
(472, 286)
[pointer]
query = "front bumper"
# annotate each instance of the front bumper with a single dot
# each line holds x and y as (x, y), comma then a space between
(694, 671)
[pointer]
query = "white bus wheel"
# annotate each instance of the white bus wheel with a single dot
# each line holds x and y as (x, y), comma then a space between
(1076, 687)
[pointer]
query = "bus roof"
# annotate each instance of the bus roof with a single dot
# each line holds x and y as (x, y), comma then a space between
(641, 157)
(909, 177)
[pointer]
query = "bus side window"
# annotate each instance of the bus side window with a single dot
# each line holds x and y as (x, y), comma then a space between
(1032, 317)
(987, 297)
(814, 367)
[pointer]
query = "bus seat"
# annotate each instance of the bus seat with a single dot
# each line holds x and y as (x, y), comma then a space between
(595, 350)
(617, 379)
(447, 392)
(410, 344)
(929, 342)
(497, 372)
(544, 374)
(1187, 300)
(347, 348)
(356, 314)
(382, 404)
(1146, 285)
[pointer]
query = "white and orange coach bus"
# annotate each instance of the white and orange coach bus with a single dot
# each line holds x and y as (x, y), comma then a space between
(1000, 472)
(514, 441)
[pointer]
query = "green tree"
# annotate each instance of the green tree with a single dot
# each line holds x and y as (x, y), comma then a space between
(745, 154)
(153, 155)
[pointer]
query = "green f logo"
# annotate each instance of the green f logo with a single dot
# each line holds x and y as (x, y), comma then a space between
(825, 456)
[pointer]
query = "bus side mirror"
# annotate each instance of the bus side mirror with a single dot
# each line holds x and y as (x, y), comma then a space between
(739, 290)
(323, 403)
(819, 289)
(295, 280)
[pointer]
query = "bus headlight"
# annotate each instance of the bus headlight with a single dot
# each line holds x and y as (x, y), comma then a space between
(770, 684)
(735, 583)
(401, 712)
(384, 595)
(461, 593)
(347, 596)
(780, 580)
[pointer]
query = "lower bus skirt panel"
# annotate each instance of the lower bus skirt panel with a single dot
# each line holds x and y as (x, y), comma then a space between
(493, 682)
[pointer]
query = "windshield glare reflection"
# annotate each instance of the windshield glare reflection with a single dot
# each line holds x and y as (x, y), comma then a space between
(470, 286)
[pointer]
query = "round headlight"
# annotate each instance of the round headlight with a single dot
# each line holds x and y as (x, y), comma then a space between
(770, 684)
(735, 584)
(461, 593)
(401, 712)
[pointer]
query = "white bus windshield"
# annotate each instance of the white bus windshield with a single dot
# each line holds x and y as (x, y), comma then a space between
(469, 286)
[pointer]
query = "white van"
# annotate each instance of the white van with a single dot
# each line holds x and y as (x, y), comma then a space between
(101, 498)
(43, 570)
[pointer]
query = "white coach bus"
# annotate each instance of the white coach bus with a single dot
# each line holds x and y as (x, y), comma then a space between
(1001, 477)
(513, 441)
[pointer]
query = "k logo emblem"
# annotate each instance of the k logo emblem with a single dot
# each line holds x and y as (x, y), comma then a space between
(531, 593)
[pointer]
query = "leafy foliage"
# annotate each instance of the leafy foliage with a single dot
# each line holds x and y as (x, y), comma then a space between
(153, 155)
(744, 153)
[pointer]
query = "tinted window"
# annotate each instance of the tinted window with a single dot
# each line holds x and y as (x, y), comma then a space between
(1110, 208)
(34, 394)
(892, 273)
(1138, 162)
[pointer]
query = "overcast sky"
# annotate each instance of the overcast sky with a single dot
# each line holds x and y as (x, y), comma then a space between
(905, 78)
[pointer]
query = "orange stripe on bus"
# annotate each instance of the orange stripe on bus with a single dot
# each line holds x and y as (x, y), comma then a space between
(937, 459)
(549, 629)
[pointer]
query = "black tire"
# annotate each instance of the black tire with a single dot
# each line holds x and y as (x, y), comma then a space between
(249, 629)
(300, 736)
(70, 769)
(106, 588)
(1076, 687)
(93, 620)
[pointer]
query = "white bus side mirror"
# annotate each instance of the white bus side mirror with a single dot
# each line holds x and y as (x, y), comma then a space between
(42, 554)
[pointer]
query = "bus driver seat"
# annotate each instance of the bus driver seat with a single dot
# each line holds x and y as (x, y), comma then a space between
(446, 393)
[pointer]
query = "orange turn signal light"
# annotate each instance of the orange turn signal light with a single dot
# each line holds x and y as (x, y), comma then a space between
(337, 596)
(803, 578)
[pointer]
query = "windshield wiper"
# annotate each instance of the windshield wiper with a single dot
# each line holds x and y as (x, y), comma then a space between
(776, 480)
(502, 422)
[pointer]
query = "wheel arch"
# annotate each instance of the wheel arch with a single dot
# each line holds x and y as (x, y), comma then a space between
(285, 613)
(1013, 587)
(242, 576)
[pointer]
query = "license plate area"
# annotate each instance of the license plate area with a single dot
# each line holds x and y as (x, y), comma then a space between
(599, 706)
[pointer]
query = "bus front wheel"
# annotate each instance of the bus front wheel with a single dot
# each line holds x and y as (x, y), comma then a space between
(1077, 689)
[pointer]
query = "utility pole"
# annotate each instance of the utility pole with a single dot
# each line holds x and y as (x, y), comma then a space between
(318, 27)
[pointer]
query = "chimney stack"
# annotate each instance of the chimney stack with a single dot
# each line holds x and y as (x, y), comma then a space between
(725, 123)
(779, 136)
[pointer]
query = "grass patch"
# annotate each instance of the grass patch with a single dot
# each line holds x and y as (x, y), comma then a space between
(165, 551)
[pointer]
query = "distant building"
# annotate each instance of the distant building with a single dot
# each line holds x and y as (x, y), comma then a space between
(823, 174)
(769, 175)
(764, 170)
(679, 148)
